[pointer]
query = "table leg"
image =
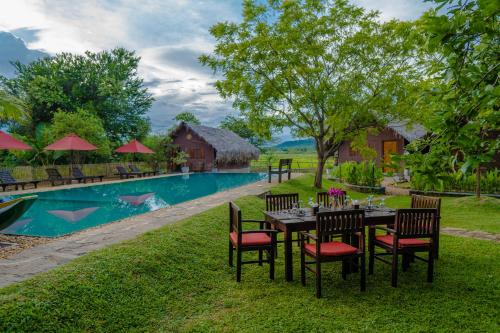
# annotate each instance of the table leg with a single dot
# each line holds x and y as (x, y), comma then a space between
(288, 255)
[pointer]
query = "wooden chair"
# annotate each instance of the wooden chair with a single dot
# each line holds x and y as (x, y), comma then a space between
(249, 240)
(276, 202)
(135, 169)
(284, 166)
(78, 174)
(7, 180)
(324, 198)
(414, 231)
(421, 201)
(346, 223)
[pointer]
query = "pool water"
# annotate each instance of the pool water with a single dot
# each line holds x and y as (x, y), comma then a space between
(62, 212)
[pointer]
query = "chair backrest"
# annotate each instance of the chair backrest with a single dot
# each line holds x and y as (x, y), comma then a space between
(121, 170)
(134, 168)
(275, 202)
(416, 222)
(77, 173)
(422, 201)
(234, 218)
(6, 177)
(324, 198)
(340, 222)
(285, 163)
(53, 173)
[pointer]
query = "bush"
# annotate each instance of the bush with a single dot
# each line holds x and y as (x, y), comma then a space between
(456, 182)
(363, 174)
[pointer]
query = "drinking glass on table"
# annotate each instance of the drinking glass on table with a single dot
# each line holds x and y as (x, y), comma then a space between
(382, 203)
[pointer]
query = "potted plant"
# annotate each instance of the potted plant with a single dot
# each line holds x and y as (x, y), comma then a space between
(181, 159)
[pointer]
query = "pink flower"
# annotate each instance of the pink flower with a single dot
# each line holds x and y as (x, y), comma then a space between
(335, 192)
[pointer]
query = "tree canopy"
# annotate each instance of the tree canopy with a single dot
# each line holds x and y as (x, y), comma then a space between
(240, 126)
(327, 70)
(104, 83)
(187, 117)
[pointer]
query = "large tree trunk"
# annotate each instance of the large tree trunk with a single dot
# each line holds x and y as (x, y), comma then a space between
(318, 180)
(478, 181)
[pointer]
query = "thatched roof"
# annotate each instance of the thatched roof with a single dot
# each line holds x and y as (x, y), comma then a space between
(229, 146)
(408, 131)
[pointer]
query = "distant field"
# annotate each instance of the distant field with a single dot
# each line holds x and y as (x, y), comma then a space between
(306, 160)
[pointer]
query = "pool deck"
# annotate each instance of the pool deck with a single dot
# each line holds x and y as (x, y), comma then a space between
(44, 257)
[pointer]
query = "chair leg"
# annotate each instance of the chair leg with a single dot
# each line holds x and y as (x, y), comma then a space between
(394, 269)
(406, 261)
(371, 249)
(230, 254)
(238, 265)
(318, 278)
(430, 266)
(260, 257)
(302, 267)
(363, 272)
(344, 268)
(271, 263)
(436, 242)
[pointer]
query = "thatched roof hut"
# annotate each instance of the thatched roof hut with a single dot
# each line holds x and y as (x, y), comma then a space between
(228, 148)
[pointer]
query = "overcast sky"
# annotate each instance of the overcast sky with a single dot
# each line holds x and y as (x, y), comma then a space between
(169, 35)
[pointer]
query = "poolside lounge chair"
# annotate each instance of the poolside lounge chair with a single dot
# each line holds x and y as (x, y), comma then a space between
(77, 173)
(7, 180)
(55, 177)
(285, 166)
(134, 168)
(124, 174)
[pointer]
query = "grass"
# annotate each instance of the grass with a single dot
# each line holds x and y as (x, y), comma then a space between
(300, 160)
(176, 279)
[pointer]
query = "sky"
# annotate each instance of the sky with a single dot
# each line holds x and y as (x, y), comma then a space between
(169, 35)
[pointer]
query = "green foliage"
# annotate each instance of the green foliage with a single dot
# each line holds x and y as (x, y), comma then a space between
(456, 182)
(11, 108)
(187, 117)
(366, 173)
(240, 126)
(86, 125)
(180, 158)
(165, 151)
(466, 120)
(104, 83)
(328, 70)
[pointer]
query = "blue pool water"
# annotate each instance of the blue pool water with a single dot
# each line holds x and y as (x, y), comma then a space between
(62, 212)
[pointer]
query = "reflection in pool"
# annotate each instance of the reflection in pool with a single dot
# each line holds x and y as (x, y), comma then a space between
(62, 212)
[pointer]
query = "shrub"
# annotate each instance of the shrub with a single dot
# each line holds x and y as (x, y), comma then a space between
(456, 182)
(364, 174)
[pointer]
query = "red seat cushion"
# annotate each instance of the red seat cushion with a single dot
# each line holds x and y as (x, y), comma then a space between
(251, 239)
(405, 242)
(331, 249)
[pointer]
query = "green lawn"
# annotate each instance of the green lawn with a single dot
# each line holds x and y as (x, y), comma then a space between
(304, 160)
(177, 279)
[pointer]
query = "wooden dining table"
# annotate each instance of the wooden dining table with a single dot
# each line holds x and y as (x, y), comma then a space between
(289, 222)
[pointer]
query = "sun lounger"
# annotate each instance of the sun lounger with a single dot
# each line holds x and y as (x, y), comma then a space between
(134, 168)
(55, 177)
(7, 180)
(77, 173)
(124, 174)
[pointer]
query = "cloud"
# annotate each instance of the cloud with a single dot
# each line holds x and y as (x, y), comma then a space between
(169, 35)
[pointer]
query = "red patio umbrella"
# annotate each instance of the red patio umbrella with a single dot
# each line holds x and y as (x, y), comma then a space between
(133, 147)
(9, 142)
(71, 142)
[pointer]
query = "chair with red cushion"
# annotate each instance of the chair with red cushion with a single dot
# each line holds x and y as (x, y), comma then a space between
(262, 240)
(422, 201)
(414, 231)
(349, 224)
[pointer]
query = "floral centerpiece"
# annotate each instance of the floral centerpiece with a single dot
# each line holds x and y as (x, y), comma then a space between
(335, 194)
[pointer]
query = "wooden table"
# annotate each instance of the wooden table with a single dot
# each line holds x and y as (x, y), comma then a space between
(289, 223)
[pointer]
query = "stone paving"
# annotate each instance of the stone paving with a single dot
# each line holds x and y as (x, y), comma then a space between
(483, 235)
(44, 257)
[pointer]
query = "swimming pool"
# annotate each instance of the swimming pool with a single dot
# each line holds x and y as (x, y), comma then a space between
(61, 212)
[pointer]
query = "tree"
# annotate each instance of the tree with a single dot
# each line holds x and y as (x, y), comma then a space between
(240, 126)
(84, 124)
(187, 117)
(466, 123)
(11, 108)
(105, 83)
(327, 70)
